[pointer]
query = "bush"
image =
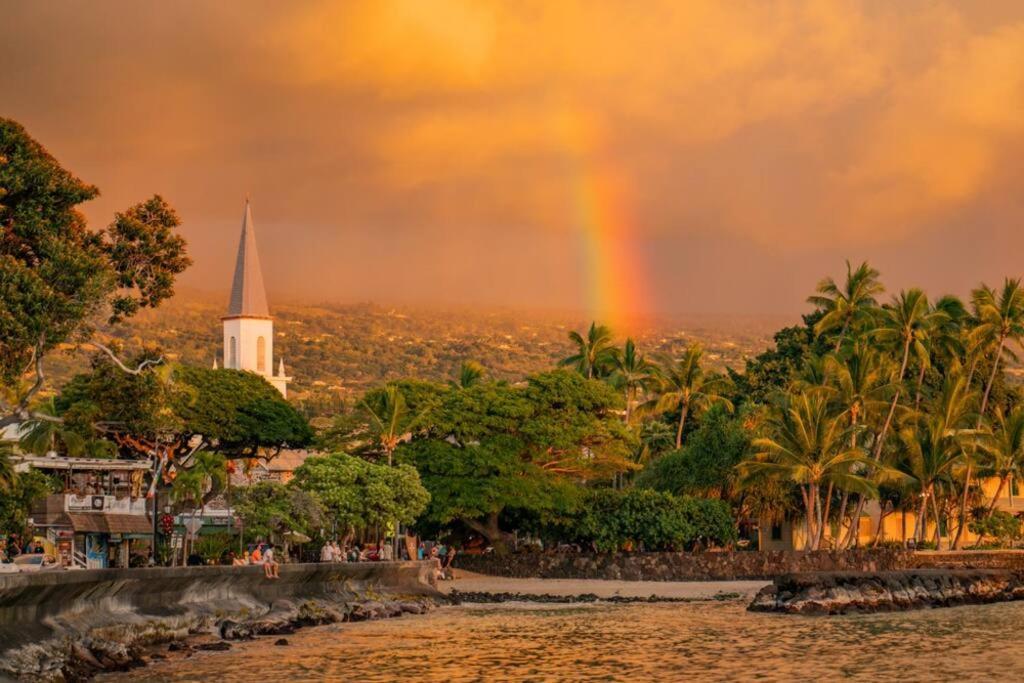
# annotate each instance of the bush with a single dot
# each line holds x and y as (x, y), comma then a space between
(213, 546)
(1000, 525)
(651, 520)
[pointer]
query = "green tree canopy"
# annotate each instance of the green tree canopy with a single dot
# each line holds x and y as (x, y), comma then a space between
(57, 276)
(358, 494)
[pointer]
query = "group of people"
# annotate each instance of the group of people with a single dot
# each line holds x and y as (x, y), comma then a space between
(333, 552)
(441, 555)
(260, 553)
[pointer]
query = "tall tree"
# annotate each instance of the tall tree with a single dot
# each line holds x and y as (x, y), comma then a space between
(633, 373)
(808, 444)
(686, 389)
(1005, 449)
(58, 278)
(846, 304)
(595, 353)
(1000, 319)
(932, 445)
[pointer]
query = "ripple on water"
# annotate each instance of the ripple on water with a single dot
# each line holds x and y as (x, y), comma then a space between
(691, 641)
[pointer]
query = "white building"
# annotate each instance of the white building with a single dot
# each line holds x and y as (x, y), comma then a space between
(248, 327)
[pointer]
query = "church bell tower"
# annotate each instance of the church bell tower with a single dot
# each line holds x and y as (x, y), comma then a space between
(248, 327)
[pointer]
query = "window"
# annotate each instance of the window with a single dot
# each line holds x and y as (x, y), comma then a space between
(233, 354)
(776, 532)
(261, 354)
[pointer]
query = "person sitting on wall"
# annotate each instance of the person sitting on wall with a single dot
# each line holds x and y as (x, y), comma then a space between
(271, 568)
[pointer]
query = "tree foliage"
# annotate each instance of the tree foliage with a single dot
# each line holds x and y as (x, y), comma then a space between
(58, 277)
(359, 494)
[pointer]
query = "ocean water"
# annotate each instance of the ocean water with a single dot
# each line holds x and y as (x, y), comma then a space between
(700, 641)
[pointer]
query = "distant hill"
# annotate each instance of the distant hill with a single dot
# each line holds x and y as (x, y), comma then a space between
(335, 352)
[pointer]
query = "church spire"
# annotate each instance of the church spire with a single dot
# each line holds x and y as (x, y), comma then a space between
(248, 298)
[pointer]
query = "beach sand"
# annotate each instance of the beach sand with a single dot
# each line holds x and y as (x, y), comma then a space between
(695, 590)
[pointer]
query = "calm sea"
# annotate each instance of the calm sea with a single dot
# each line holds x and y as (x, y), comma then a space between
(711, 641)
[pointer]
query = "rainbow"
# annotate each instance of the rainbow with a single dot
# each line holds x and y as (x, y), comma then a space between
(616, 278)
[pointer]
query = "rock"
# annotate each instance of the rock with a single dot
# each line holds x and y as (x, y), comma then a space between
(233, 630)
(858, 592)
(281, 641)
(178, 646)
(216, 646)
(156, 656)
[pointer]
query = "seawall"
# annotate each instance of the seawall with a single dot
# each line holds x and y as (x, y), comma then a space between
(727, 565)
(46, 618)
(858, 592)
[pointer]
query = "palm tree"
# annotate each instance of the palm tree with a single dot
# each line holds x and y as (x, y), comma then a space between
(40, 435)
(470, 373)
(845, 305)
(206, 472)
(862, 385)
(685, 388)
(1000, 319)
(632, 373)
(932, 446)
(389, 419)
(594, 354)
(1004, 449)
(808, 444)
(906, 323)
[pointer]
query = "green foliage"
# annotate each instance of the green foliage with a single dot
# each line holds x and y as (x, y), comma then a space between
(213, 547)
(773, 370)
(492, 446)
(57, 277)
(236, 413)
(706, 465)
(269, 509)
(359, 494)
(483, 479)
(613, 520)
(1001, 526)
(16, 500)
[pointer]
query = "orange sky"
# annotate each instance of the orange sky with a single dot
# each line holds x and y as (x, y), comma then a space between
(408, 151)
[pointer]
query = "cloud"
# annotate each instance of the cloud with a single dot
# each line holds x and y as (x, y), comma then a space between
(797, 126)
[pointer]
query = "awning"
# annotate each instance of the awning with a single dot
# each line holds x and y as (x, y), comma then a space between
(93, 523)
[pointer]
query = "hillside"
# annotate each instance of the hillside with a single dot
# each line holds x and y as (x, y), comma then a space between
(337, 351)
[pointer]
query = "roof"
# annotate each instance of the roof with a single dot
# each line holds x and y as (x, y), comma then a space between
(41, 462)
(288, 460)
(93, 523)
(248, 297)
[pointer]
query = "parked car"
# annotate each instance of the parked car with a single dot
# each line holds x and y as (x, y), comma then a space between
(34, 562)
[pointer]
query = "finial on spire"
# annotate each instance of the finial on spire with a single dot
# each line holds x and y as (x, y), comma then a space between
(215, 362)
(280, 367)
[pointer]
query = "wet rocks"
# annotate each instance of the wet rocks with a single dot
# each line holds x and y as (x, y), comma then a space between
(215, 646)
(825, 593)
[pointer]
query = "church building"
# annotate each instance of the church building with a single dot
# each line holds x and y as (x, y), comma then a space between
(248, 327)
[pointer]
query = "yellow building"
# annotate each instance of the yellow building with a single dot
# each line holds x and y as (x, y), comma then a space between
(896, 525)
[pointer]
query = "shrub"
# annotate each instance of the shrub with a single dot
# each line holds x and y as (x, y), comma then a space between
(213, 546)
(1000, 525)
(614, 520)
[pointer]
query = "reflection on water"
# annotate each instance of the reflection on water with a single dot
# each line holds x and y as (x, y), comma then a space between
(692, 641)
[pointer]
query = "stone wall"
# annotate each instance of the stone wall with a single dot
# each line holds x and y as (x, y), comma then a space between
(709, 566)
(41, 612)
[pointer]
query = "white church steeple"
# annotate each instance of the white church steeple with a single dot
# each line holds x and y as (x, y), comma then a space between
(248, 327)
